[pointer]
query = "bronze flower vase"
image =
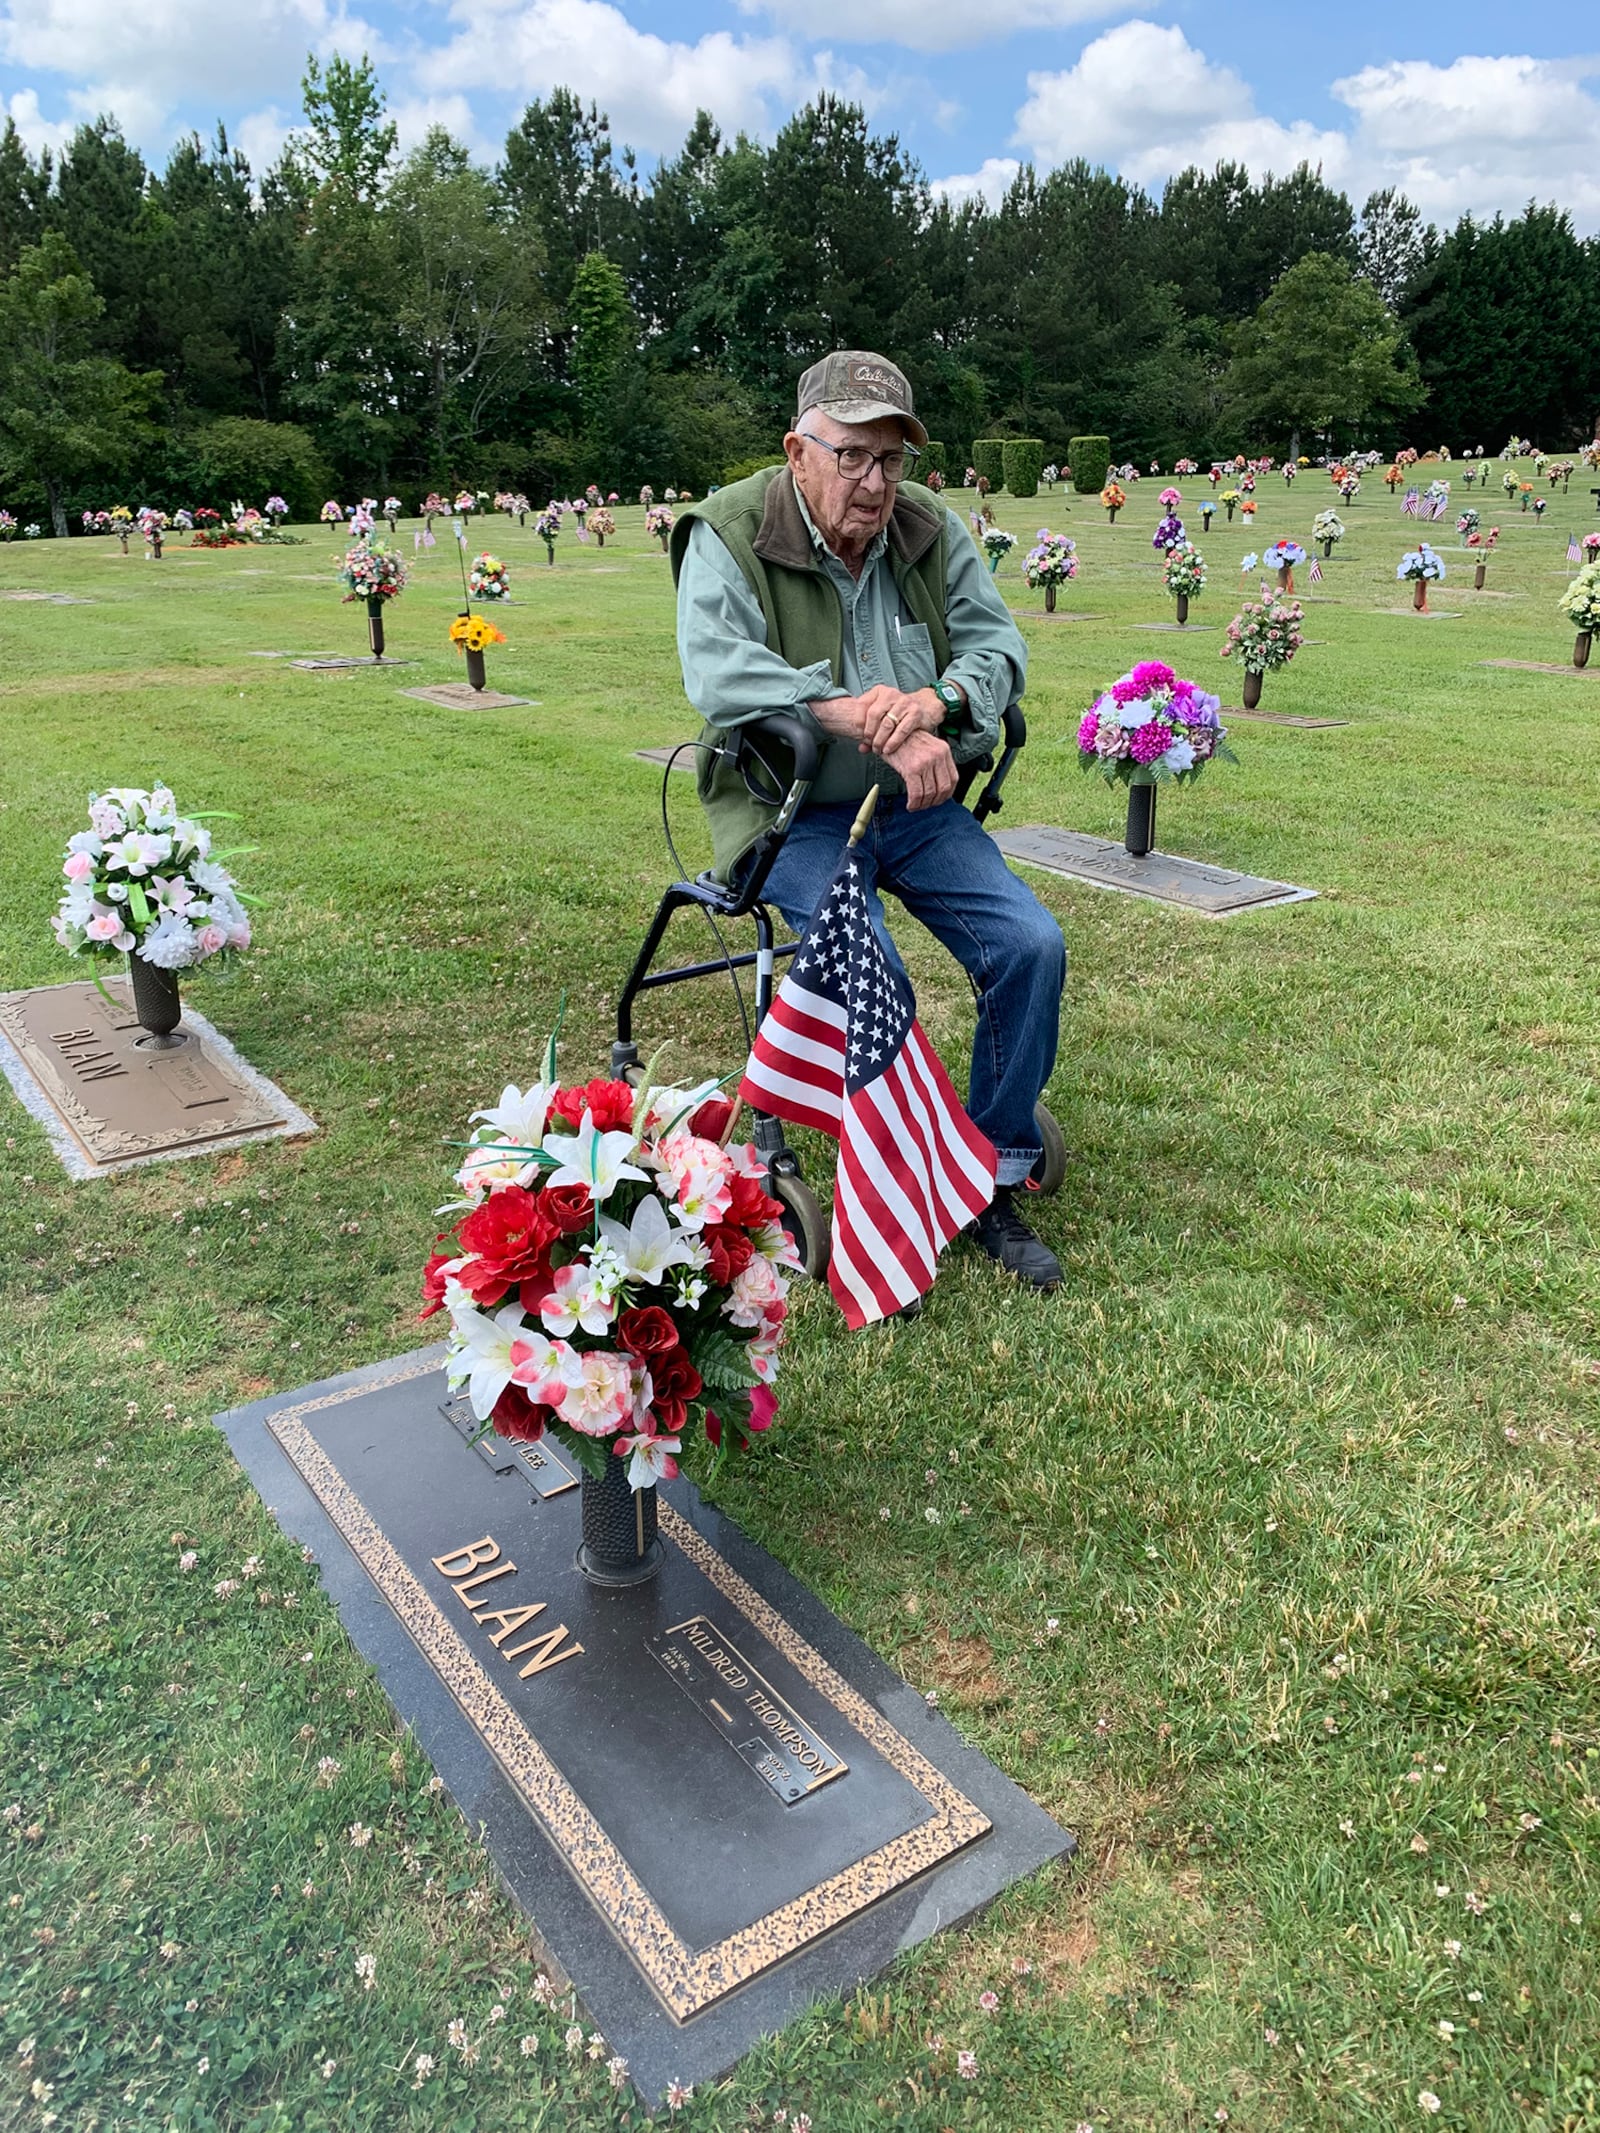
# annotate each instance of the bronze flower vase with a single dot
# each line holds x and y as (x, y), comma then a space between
(1049, 599)
(1252, 687)
(1229, 509)
(620, 1543)
(375, 626)
(1478, 576)
(1112, 509)
(1327, 549)
(1141, 830)
(1419, 599)
(156, 1003)
(1285, 579)
(477, 673)
(1183, 609)
(1580, 648)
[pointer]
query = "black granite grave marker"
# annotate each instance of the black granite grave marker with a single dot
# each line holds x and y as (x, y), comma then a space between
(715, 1802)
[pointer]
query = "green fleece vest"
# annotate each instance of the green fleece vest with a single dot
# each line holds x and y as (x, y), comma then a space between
(760, 523)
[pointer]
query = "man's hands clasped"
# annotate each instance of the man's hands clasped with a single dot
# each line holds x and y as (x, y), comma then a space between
(903, 729)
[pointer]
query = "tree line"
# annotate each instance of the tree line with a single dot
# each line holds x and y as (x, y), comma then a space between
(354, 318)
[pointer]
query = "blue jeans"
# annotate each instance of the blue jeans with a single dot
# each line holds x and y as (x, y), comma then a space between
(952, 876)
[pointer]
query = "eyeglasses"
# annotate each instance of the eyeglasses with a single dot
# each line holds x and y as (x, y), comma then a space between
(856, 462)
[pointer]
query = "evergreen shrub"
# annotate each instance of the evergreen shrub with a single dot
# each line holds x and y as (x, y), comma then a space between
(1090, 461)
(1023, 460)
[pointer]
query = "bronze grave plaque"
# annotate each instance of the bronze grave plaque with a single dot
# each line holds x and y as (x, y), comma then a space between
(108, 1099)
(763, 1731)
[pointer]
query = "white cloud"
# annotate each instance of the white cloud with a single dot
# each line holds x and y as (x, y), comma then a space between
(989, 183)
(1480, 135)
(414, 115)
(142, 59)
(650, 88)
(928, 25)
(37, 131)
(261, 134)
(1144, 101)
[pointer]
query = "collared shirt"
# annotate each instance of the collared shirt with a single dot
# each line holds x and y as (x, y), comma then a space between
(732, 674)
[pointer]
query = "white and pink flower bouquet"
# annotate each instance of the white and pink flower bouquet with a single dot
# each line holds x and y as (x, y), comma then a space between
(488, 578)
(372, 571)
(1150, 726)
(658, 520)
(332, 512)
(1265, 634)
(618, 1277)
(142, 879)
(277, 508)
(1185, 571)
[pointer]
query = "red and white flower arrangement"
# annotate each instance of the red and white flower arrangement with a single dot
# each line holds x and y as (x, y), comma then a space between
(372, 571)
(488, 578)
(618, 1278)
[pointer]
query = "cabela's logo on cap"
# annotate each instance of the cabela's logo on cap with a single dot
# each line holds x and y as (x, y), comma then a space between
(888, 382)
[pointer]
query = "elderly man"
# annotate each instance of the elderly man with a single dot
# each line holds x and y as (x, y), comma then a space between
(832, 589)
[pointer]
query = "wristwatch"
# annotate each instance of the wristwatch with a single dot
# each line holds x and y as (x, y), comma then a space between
(955, 710)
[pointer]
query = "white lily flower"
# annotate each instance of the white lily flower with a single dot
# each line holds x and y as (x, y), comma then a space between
(520, 1115)
(651, 1245)
(597, 1161)
(480, 1355)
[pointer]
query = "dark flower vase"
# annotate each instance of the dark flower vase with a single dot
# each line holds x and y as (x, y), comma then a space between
(1183, 609)
(1141, 830)
(1252, 688)
(620, 1543)
(375, 627)
(477, 673)
(1477, 577)
(1580, 649)
(156, 1003)
(1049, 599)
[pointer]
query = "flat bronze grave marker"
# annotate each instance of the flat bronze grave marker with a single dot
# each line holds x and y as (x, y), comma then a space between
(1280, 718)
(55, 599)
(323, 666)
(1062, 614)
(1184, 629)
(680, 756)
(715, 1802)
(462, 696)
(108, 1102)
(1539, 666)
(1214, 892)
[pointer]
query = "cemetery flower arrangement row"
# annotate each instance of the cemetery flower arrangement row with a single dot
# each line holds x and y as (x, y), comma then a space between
(1052, 560)
(1185, 570)
(1150, 726)
(618, 1278)
(142, 879)
(372, 571)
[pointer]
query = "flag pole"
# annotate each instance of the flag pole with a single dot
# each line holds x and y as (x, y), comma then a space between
(858, 828)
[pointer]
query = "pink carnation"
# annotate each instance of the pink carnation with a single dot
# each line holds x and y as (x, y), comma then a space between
(1086, 730)
(1152, 674)
(1150, 741)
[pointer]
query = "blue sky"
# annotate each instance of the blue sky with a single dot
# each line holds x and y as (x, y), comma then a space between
(1465, 107)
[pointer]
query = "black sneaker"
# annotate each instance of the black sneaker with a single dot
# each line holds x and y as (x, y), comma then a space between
(1003, 1234)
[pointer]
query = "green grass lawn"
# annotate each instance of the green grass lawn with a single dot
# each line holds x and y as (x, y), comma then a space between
(1265, 1555)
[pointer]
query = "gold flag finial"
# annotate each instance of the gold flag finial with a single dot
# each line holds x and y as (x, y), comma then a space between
(858, 829)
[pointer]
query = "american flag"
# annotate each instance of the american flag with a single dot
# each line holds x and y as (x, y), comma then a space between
(841, 1050)
(1408, 504)
(1574, 552)
(1316, 571)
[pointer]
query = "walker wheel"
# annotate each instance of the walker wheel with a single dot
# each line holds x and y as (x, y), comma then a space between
(1049, 1173)
(804, 1220)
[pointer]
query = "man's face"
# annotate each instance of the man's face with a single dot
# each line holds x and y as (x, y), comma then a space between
(848, 514)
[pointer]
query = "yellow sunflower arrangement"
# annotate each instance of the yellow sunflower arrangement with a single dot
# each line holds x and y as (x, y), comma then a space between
(471, 633)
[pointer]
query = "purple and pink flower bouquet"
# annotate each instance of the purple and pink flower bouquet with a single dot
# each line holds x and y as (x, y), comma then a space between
(1052, 560)
(616, 1276)
(1150, 726)
(142, 880)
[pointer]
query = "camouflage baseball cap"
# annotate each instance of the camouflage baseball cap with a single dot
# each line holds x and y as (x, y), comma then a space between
(854, 385)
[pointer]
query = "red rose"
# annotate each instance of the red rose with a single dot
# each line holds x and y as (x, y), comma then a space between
(433, 1283)
(671, 1415)
(569, 1207)
(609, 1103)
(484, 1282)
(713, 1118)
(751, 1207)
(731, 1251)
(647, 1330)
(509, 1230)
(673, 1376)
(517, 1417)
(714, 1429)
